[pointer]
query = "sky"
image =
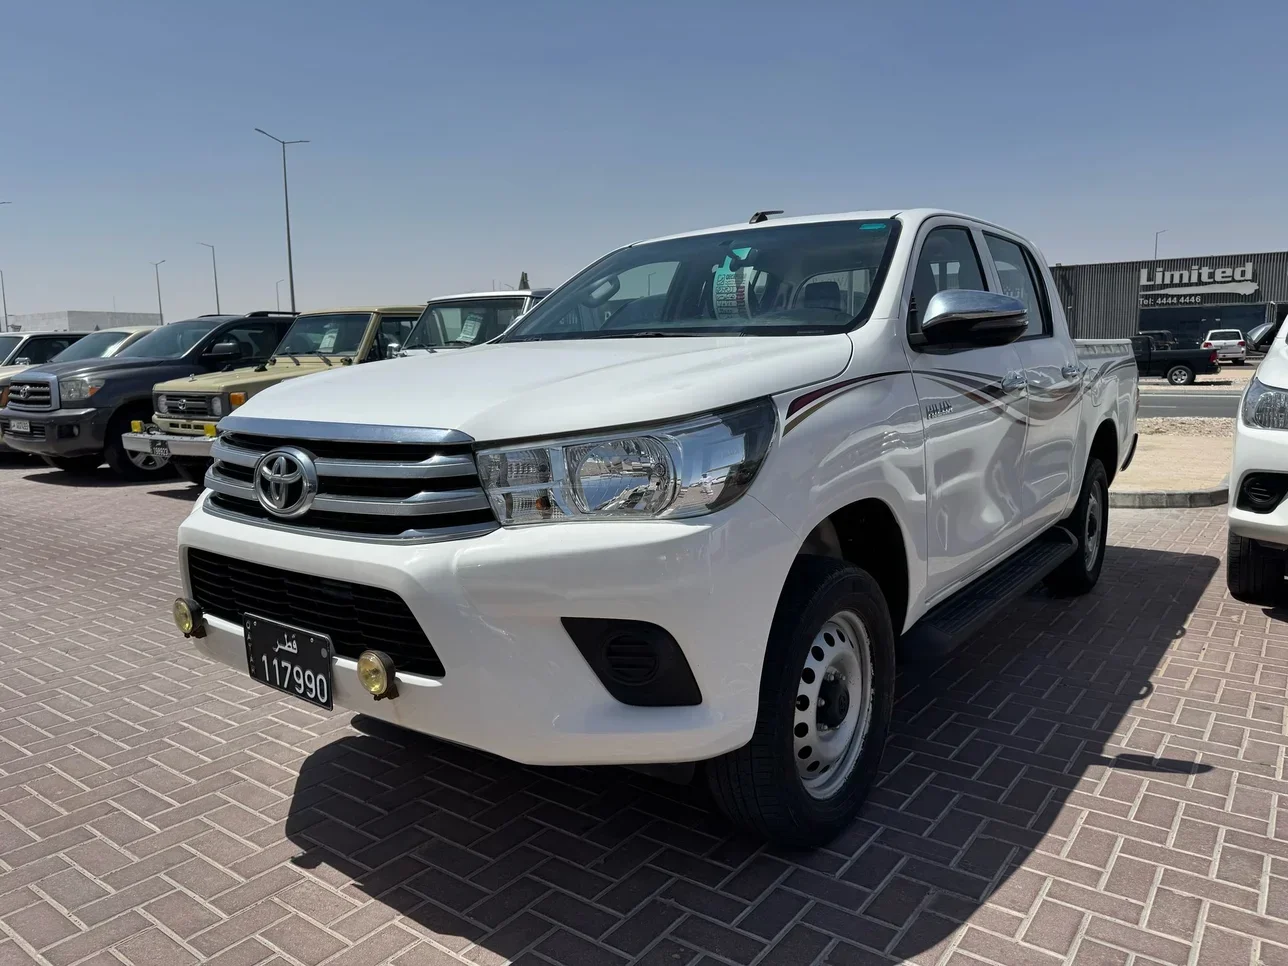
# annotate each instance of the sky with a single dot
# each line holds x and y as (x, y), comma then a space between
(455, 145)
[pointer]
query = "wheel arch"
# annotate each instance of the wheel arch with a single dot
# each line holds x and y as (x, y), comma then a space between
(1104, 446)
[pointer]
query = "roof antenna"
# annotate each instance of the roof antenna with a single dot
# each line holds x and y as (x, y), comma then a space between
(760, 216)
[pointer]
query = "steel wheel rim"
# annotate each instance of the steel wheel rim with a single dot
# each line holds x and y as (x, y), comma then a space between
(1093, 527)
(1178, 377)
(838, 664)
(144, 461)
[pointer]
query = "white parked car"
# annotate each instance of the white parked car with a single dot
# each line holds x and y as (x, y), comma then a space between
(1229, 344)
(688, 509)
(1257, 544)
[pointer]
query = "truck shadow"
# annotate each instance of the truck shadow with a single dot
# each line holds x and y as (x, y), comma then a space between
(101, 478)
(986, 751)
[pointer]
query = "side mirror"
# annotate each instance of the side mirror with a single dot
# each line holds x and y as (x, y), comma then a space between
(226, 350)
(392, 350)
(22, 361)
(966, 318)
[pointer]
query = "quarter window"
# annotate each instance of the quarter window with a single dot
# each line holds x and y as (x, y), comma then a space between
(948, 260)
(1016, 272)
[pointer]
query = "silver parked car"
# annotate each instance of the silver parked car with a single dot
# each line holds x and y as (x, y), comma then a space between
(1229, 344)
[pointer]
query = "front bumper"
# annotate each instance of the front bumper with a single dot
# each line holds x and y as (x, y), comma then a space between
(1258, 451)
(197, 447)
(60, 432)
(515, 684)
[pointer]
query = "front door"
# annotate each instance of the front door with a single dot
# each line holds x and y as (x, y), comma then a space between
(972, 409)
(1054, 377)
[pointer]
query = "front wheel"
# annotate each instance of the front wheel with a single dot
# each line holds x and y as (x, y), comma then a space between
(1089, 525)
(1180, 375)
(826, 695)
(127, 464)
(1253, 572)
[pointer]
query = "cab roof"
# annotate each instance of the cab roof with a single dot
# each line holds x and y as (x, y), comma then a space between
(911, 217)
(419, 307)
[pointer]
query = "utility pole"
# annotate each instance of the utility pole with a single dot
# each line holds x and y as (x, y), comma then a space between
(1156, 234)
(4, 301)
(286, 196)
(215, 269)
(156, 267)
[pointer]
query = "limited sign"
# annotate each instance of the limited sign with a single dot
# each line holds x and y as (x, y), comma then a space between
(1195, 285)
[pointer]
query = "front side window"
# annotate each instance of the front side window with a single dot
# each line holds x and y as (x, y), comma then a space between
(1016, 274)
(948, 260)
(39, 351)
(96, 345)
(463, 322)
(336, 333)
(256, 339)
(170, 341)
(810, 279)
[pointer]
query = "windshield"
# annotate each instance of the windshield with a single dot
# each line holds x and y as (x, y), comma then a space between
(460, 322)
(96, 345)
(337, 334)
(7, 344)
(789, 280)
(170, 341)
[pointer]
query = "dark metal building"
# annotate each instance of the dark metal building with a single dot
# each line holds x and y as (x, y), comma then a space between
(1185, 296)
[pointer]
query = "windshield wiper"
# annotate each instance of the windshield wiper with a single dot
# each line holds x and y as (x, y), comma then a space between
(323, 357)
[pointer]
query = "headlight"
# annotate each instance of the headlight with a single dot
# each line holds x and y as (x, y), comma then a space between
(683, 469)
(1265, 407)
(162, 404)
(78, 390)
(216, 405)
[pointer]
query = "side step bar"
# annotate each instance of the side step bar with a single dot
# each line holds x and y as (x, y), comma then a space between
(949, 623)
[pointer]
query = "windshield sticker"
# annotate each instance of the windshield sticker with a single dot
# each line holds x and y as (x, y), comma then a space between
(328, 340)
(470, 327)
(729, 288)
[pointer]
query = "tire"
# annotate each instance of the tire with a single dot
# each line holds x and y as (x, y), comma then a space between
(1254, 574)
(79, 465)
(1180, 376)
(760, 786)
(193, 472)
(131, 467)
(1239, 362)
(1089, 524)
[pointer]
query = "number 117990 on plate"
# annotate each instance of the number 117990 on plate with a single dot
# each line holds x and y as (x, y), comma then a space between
(291, 659)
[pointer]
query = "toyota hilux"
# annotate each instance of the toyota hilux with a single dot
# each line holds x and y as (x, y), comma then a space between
(688, 510)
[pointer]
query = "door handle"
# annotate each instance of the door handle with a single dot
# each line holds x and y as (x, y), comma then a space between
(1071, 372)
(1013, 382)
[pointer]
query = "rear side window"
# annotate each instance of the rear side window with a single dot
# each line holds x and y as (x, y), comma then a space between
(948, 260)
(1018, 275)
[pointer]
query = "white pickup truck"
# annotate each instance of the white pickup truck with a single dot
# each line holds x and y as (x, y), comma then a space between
(691, 508)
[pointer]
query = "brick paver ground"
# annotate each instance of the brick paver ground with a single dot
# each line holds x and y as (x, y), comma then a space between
(1096, 781)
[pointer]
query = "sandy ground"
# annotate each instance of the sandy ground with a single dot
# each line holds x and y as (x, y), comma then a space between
(1230, 377)
(1188, 453)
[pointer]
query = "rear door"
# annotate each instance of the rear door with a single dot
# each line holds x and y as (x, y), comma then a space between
(972, 411)
(1054, 378)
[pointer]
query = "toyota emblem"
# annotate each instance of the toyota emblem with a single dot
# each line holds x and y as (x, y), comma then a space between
(286, 482)
(22, 392)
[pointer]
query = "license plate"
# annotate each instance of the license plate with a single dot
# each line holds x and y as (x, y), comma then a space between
(160, 449)
(20, 426)
(290, 659)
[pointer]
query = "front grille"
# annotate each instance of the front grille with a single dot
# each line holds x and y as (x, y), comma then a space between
(399, 491)
(32, 394)
(181, 404)
(356, 617)
(37, 431)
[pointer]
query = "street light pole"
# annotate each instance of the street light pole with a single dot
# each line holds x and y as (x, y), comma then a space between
(214, 268)
(4, 301)
(1156, 234)
(286, 196)
(156, 268)
(278, 289)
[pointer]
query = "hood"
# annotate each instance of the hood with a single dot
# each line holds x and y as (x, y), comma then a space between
(105, 367)
(514, 390)
(244, 380)
(1273, 370)
(8, 372)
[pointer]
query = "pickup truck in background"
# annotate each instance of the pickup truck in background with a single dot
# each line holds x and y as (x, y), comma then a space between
(187, 410)
(688, 510)
(1180, 367)
(74, 414)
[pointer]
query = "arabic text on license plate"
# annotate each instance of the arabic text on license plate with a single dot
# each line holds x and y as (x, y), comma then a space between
(160, 450)
(290, 659)
(19, 426)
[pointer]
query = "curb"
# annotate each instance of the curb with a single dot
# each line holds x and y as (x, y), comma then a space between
(1162, 499)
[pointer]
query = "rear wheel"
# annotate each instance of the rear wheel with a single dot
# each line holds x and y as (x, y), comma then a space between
(1254, 573)
(826, 695)
(127, 464)
(1180, 375)
(1089, 525)
(79, 465)
(1239, 362)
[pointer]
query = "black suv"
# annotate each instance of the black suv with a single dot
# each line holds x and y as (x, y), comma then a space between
(73, 414)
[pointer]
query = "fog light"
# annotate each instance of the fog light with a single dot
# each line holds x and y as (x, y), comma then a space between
(208, 429)
(187, 617)
(136, 425)
(376, 673)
